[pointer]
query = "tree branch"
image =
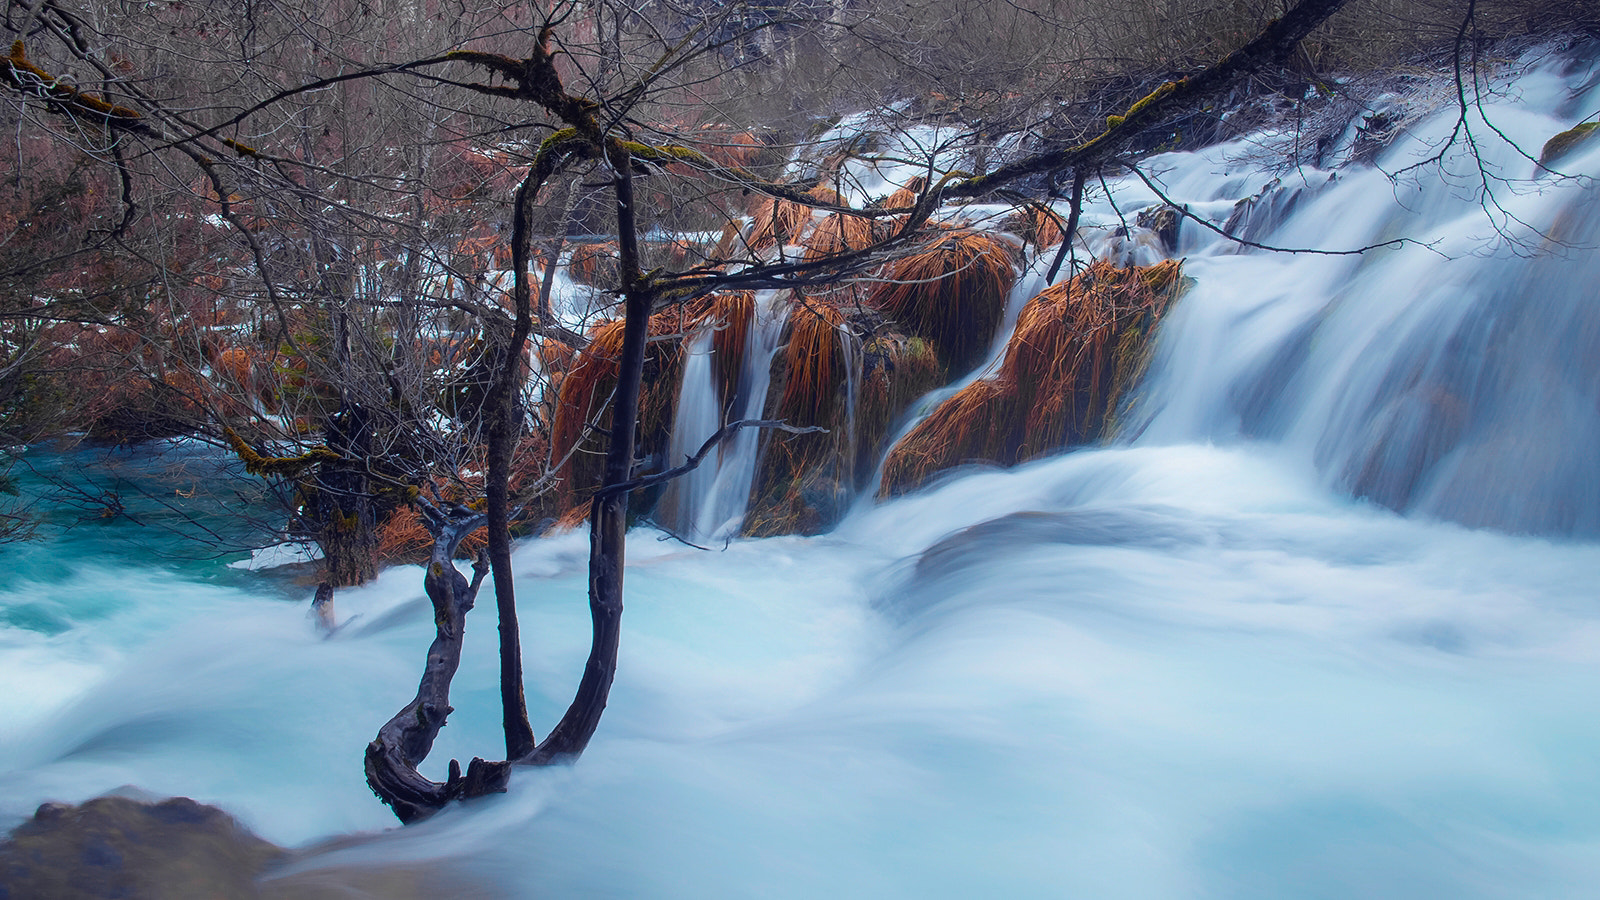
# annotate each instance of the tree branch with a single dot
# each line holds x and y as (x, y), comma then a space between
(693, 462)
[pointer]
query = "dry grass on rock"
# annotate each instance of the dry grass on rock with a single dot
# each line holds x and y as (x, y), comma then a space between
(1077, 348)
(951, 293)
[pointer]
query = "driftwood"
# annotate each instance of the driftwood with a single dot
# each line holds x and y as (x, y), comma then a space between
(404, 741)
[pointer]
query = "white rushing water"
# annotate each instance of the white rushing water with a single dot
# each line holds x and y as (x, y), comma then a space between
(1192, 666)
(709, 503)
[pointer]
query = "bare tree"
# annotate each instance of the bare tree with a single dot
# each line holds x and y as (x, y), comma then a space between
(353, 253)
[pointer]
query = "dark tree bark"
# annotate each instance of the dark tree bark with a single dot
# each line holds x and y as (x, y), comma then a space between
(342, 504)
(404, 741)
(608, 514)
(1069, 233)
(504, 415)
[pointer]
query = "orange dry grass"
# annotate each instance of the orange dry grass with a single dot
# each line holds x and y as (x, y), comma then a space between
(952, 293)
(728, 147)
(777, 222)
(587, 385)
(1044, 227)
(1077, 347)
(803, 480)
(402, 538)
(235, 362)
(585, 393)
(814, 363)
(839, 233)
(796, 470)
(824, 194)
(906, 197)
(593, 264)
(556, 356)
(730, 314)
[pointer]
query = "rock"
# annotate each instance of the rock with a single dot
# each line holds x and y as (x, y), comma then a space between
(117, 847)
(1163, 222)
(177, 849)
(1566, 142)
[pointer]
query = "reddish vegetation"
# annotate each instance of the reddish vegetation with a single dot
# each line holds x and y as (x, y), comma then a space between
(906, 196)
(952, 293)
(1042, 227)
(729, 313)
(813, 362)
(774, 223)
(728, 147)
(839, 233)
(1077, 347)
(594, 264)
(584, 400)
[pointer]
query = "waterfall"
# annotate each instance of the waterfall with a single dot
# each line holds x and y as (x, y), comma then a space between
(709, 504)
(1453, 375)
(1320, 624)
(1028, 284)
(696, 416)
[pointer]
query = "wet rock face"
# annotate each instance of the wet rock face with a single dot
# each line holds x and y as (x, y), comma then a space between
(117, 847)
(1163, 221)
(177, 849)
(1566, 142)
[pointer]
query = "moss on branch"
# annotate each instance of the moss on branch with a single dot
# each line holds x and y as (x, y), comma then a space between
(29, 78)
(241, 149)
(281, 466)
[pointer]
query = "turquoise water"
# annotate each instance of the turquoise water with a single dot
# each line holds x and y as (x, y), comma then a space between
(179, 505)
(1264, 649)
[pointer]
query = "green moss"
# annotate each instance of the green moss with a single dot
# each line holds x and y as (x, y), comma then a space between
(1144, 102)
(666, 153)
(557, 138)
(241, 149)
(1566, 142)
(71, 99)
(280, 466)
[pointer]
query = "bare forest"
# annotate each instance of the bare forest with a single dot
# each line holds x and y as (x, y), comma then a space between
(430, 269)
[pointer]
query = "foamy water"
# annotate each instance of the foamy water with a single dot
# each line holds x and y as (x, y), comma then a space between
(1208, 663)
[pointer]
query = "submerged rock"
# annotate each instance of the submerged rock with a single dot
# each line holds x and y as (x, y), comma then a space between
(176, 849)
(1566, 142)
(118, 847)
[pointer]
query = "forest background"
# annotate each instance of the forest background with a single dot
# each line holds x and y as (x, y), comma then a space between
(327, 239)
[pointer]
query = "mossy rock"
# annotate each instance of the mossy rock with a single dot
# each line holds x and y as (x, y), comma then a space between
(1567, 141)
(176, 848)
(117, 847)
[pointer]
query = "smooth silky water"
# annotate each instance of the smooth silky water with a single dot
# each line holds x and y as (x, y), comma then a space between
(1326, 626)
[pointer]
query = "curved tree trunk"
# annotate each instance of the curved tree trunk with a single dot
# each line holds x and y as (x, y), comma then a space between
(504, 416)
(342, 497)
(608, 516)
(404, 741)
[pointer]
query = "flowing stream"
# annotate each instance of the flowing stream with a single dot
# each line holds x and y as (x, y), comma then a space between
(709, 503)
(1325, 625)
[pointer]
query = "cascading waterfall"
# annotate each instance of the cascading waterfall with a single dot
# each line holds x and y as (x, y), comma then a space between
(709, 504)
(1190, 665)
(1028, 284)
(1453, 375)
(697, 416)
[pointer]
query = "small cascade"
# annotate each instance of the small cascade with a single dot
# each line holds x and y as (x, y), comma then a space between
(1452, 375)
(854, 361)
(1026, 287)
(697, 416)
(709, 504)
